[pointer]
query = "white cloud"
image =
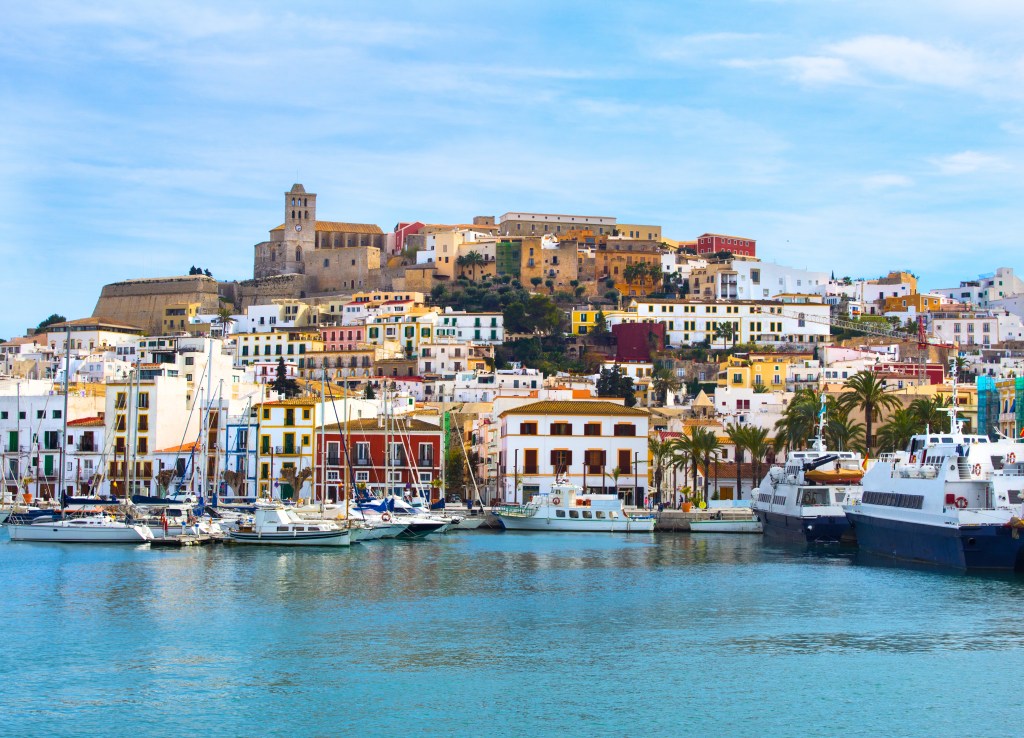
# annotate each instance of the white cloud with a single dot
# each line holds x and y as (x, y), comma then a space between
(914, 61)
(969, 162)
(887, 181)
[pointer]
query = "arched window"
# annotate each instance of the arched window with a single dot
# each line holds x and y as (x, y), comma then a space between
(293, 215)
(298, 253)
(307, 215)
(305, 202)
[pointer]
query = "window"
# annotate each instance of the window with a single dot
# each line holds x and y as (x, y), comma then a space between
(362, 453)
(143, 400)
(362, 476)
(625, 429)
(264, 471)
(561, 429)
(40, 414)
(119, 422)
(559, 513)
(592, 429)
(305, 440)
(122, 401)
(142, 445)
(56, 413)
(143, 422)
(625, 461)
(527, 429)
(574, 513)
(561, 459)
(594, 460)
(530, 461)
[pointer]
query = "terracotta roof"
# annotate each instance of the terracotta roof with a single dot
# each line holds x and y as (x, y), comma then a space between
(86, 422)
(397, 425)
(187, 448)
(327, 226)
(574, 407)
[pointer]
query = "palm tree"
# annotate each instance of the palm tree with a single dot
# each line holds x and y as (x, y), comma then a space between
(614, 476)
(929, 412)
(738, 434)
(707, 446)
(684, 456)
(661, 453)
(896, 433)
(725, 331)
(865, 391)
(797, 423)
(843, 434)
(223, 319)
(473, 260)
(664, 381)
(758, 446)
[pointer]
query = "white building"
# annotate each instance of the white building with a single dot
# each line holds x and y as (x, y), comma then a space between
(749, 279)
(986, 289)
(971, 329)
(483, 328)
(745, 406)
(755, 321)
(586, 439)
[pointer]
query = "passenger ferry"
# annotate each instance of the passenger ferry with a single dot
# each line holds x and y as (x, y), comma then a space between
(567, 507)
(950, 499)
(803, 499)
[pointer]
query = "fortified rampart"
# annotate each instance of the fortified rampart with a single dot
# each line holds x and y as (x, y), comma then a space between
(142, 302)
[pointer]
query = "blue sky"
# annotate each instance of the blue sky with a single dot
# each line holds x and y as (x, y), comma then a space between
(141, 138)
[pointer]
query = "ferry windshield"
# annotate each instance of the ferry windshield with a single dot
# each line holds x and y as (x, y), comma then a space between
(814, 497)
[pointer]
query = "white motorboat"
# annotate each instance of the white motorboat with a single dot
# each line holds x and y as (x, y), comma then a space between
(86, 529)
(567, 507)
(278, 526)
(179, 519)
(466, 522)
(719, 523)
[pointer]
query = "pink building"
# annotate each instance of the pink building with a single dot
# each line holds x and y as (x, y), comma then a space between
(342, 337)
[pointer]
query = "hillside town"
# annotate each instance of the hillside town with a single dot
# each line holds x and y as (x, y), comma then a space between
(481, 360)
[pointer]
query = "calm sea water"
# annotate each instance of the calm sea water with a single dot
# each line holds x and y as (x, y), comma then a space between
(503, 634)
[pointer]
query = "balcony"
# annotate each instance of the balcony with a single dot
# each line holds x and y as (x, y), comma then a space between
(334, 460)
(86, 447)
(285, 450)
(531, 470)
(363, 461)
(425, 461)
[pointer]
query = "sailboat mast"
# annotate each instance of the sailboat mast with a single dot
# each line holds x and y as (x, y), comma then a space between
(64, 433)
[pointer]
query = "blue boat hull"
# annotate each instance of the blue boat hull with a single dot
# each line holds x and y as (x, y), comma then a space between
(991, 547)
(823, 529)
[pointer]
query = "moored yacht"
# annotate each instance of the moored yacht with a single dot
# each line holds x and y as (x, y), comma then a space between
(803, 499)
(276, 525)
(951, 499)
(100, 528)
(566, 507)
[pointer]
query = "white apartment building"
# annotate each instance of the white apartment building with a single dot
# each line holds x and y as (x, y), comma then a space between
(584, 439)
(31, 432)
(986, 289)
(746, 279)
(484, 328)
(745, 406)
(972, 329)
(757, 321)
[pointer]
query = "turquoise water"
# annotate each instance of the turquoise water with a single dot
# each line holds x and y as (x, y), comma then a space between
(503, 634)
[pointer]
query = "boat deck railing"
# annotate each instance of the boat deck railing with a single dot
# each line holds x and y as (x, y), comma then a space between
(517, 511)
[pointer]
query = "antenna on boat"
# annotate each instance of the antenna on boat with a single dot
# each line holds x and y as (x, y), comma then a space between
(955, 424)
(819, 442)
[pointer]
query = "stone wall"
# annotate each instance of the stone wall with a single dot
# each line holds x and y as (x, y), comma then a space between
(264, 291)
(142, 302)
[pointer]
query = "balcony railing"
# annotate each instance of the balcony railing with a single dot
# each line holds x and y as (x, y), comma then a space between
(362, 461)
(425, 461)
(333, 460)
(86, 448)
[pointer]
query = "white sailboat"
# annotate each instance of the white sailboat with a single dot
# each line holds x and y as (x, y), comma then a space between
(276, 525)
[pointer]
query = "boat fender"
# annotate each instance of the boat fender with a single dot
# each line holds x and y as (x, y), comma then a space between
(913, 458)
(386, 517)
(977, 469)
(1011, 458)
(961, 502)
(556, 501)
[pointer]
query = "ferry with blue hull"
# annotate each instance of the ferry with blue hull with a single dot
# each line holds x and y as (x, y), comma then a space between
(802, 500)
(949, 499)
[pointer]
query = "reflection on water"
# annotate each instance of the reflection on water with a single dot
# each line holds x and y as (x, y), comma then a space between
(485, 632)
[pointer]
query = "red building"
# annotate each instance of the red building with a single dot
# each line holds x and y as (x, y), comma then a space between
(634, 341)
(413, 465)
(712, 243)
(405, 229)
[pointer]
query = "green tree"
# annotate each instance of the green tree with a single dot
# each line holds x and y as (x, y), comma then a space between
(725, 331)
(865, 391)
(536, 281)
(799, 420)
(930, 412)
(283, 385)
(368, 392)
(44, 324)
(843, 434)
(613, 382)
(661, 454)
(738, 434)
(895, 434)
(664, 381)
(454, 469)
(758, 445)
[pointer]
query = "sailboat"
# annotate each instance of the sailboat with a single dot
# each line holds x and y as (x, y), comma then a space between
(94, 528)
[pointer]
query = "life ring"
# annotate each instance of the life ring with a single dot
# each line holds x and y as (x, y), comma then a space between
(913, 458)
(961, 502)
(556, 500)
(977, 469)
(385, 517)
(1011, 458)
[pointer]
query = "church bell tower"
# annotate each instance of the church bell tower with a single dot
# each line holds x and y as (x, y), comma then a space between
(299, 227)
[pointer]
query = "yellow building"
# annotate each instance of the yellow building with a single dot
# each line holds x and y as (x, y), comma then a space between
(177, 317)
(406, 329)
(287, 430)
(584, 320)
(767, 370)
(913, 303)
